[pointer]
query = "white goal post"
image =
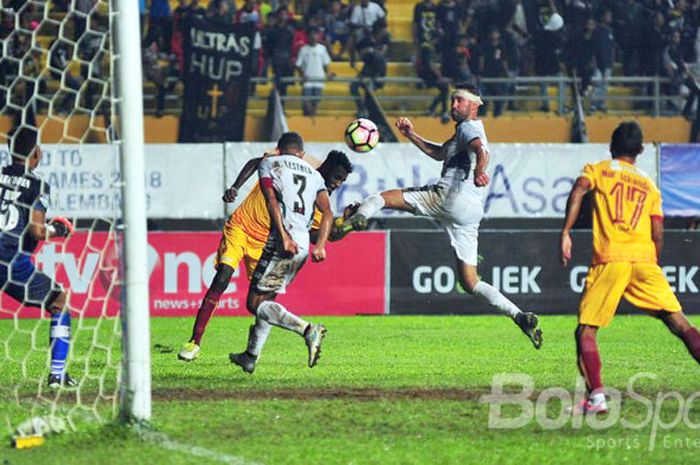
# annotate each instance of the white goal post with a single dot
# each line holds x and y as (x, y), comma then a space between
(135, 388)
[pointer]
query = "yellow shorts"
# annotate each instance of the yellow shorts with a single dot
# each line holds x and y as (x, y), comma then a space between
(641, 284)
(237, 245)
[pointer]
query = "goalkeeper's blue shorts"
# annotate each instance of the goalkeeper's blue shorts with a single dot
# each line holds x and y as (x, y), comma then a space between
(23, 282)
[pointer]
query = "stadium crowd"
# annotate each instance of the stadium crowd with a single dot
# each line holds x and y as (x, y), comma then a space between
(454, 40)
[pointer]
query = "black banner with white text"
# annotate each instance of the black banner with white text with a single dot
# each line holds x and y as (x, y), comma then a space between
(524, 265)
(218, 65)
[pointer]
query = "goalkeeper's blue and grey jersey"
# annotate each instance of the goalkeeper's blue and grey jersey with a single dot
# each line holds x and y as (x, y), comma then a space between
(459, 160)
(20, 193)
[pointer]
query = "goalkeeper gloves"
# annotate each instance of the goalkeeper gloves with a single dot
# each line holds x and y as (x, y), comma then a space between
(60, 227)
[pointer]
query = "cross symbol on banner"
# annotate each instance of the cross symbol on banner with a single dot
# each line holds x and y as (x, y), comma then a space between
(214, 93)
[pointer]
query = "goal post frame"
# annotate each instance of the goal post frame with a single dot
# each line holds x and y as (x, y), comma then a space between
(135, 389)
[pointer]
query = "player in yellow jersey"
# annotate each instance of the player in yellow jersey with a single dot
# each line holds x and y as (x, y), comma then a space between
(627, 242)
(245, 233)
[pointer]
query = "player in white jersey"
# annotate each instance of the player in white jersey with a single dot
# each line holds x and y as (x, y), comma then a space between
(455, 201)
(291, 187)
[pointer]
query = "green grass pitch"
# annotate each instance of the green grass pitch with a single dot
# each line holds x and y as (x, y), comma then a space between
(387, 390)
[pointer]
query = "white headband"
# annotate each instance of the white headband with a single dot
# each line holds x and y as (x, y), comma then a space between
(465, 94)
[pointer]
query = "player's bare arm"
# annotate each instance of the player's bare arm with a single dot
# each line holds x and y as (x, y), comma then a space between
(482, 162)
(324, 204)
(275, 212)
(573, 207)
(246, 172)
(657, 234)
(433, 150)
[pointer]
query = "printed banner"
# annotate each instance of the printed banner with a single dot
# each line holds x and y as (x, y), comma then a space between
(218, 64)
(182, 180)
(527, 180)
(680, 179)
(524, 265)
(181, 267)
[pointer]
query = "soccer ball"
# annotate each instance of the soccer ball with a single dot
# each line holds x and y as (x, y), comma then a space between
(362, 135)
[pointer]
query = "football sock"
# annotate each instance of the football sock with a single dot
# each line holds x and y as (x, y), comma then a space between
(691, 338)
(257, 336)
(209, 304)
(597, 398)
(591, 362)
(277, 315)
(491, 295)
(371, 206)
(59, 339)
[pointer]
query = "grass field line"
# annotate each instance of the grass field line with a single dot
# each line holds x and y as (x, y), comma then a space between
(162, 440)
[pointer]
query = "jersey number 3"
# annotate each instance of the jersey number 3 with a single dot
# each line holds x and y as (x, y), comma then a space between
(300, 182)
(624, 192)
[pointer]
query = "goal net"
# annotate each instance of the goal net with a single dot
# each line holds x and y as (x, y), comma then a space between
(62, 365)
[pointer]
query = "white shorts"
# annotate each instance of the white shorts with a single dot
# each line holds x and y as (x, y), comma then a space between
(276, 270)
(459, 213)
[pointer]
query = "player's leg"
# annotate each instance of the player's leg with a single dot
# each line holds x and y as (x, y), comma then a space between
(679, 325)
(393, 199)
(464, 241)
(604, 287)
(589, 365)
(526, 321)
(59, 340)
(210, 302)
(272, 276)
(232, 249)
(35, 289)
(649, 290)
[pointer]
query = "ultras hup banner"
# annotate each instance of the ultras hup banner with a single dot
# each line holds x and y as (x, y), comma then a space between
(181, 267)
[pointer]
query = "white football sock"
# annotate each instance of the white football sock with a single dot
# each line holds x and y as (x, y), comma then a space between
(490, 294)
(258, 336)
(371, 205)
(277, 315)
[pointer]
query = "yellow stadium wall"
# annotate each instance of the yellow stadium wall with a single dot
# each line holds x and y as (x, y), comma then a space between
(330, 128)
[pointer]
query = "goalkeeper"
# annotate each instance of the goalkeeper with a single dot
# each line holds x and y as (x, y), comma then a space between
(245, 233)
(24, 198)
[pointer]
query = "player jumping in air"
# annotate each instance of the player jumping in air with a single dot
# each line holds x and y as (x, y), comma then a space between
(455, 201)
(24, 199)
(291, 188)
(245, 233)
(627, 241)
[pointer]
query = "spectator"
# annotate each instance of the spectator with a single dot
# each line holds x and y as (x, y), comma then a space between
(629, 27)
(249, 13)
(604, 59)
(91, 51)
(450, 24)
(372, 50)
(278, 49)
(80, 15)
(312, 64)
(493, 64)
(427, 70)
(676, 70)
(61, 55)
(456, 62)
(546, 44)
(196, 9)
(337, 28)
(581, 52)
(362, 18)
(156, 74)
(512, 50)
(160, 27)
(425, 27)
